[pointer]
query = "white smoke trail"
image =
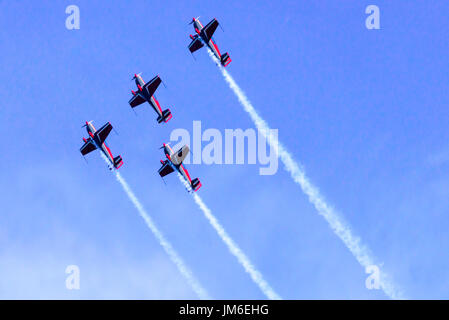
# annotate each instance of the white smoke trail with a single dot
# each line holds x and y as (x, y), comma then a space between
(336, 222)
(256, 276)
(174, 257)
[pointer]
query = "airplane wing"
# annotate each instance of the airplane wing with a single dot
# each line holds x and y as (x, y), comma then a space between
(178, 157)
(210, 28)
(165, 169)
(195, 45)
(103, 132)
(136, 100)
(89, 146)
(151, 86)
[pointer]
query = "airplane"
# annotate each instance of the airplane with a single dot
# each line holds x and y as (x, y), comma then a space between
(204, 36)
(96, 140)
(174, 162)
(146, 93)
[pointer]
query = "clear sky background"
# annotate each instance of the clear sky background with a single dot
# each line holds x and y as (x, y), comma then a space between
(365, 112)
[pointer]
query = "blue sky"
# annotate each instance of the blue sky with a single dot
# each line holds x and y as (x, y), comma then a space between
(365, 112)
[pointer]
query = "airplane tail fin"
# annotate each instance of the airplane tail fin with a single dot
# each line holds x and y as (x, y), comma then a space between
(118, 162)
(196, 184)
(225, 59)
(166, 115)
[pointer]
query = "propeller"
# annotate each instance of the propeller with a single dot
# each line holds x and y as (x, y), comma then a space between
(134, 76)
(165, 144)
(193, 20)
(85, 125)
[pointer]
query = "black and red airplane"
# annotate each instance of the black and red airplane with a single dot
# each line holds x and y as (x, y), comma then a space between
(146, 93)
(204, 36)
(174, 162)
(97, 140)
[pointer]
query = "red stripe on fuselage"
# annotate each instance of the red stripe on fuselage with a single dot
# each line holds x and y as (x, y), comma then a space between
(157, 104)
(216, 48)
(201, 26)
(186, 172)
(169, 148)
(92, 129)
(109, 152)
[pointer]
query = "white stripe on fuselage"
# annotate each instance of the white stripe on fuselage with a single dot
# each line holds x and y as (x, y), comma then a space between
(140, 80)
(182, 170)
(155, 106)
(214, 50)
(169, 149)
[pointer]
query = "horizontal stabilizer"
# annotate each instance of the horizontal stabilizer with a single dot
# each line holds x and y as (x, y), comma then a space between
(225, 59)
(118, 162)
(166, 115)
(196, 184)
